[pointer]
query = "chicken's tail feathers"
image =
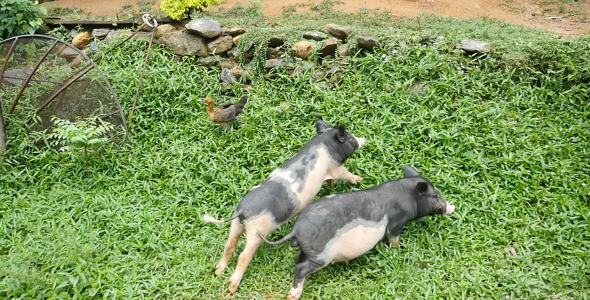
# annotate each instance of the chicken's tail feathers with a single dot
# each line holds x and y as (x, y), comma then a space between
(240, 105)
(210, 219)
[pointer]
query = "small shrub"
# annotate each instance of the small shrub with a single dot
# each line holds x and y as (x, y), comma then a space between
(19, 17)
(177, 9)
(61, 33)
(84, 133)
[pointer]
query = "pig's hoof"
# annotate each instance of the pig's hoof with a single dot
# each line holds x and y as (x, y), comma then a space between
(219, 269)
(357, 179)
(294, 293)
(394, 242)
(232, 290)
(330, 182)
(233, 285)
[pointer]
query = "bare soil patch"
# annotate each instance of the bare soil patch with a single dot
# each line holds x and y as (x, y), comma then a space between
(559, 17)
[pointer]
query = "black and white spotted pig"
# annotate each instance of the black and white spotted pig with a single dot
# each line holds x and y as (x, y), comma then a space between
(344, 226)
(286, 192)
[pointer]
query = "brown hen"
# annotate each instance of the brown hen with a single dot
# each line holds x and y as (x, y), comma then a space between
(224, 113)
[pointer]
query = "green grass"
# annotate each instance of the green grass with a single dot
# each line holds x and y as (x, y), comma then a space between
(504, 137)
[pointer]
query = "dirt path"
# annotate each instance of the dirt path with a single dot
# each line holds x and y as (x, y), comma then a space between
(565, 19)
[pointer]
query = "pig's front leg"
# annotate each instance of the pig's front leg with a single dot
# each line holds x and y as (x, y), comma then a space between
(393, 240)
(392, 233)
(342, 173)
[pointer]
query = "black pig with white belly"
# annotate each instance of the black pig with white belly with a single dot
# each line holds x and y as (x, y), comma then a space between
(286, 192)
(344, 226)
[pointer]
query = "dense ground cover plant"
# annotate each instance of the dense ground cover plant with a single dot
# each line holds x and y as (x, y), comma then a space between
(504, 137)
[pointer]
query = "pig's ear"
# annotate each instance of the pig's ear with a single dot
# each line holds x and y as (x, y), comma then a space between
(410, 172)
(321, 126)
(421, 187)
(341, 134)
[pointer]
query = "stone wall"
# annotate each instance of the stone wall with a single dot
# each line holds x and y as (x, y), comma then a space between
(219, 47)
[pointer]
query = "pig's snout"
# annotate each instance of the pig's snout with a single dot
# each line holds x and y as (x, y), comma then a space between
(450, 208)
(360, 141)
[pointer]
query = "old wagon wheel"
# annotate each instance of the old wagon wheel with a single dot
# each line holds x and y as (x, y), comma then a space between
(42, 76)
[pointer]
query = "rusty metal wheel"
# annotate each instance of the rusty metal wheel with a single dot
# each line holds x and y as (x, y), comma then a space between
(42, 76)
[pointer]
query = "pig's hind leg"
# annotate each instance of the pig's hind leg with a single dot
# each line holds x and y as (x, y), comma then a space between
(301, 257)
(235, 232)
(342, 173)
(303, 268)
(262, 226)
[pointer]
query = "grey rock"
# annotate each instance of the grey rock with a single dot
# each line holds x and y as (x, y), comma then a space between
(276, 62)
(316, 36)
(138, 36)
(343, 50)
(329, 46)
(334, 70)
(93, 47)
(303, 49)
(323, 85)
(226, 63)
(276, 41)
(320, 75)
(100, 32)
(208, 61)
(69, 54)
(227, 76)
(163, 29)
(250, 47)
(221, 44)
(240, 73)
(112, 35)
(302, 67)
(183, 43)
(16, 77)
(206, 27)
(337, 31)
(142, 35)
(233, 52)
(234, 31)
(367, 43)
(471, 46)
(272, 53)
(74, 32)
(271, 76)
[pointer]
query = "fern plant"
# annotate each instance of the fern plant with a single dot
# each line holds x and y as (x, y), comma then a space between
(178, 9)
(84, 133)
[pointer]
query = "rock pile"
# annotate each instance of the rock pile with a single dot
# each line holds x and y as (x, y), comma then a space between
(217, 46)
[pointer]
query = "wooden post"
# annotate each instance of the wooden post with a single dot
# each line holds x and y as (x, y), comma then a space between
(2, 132)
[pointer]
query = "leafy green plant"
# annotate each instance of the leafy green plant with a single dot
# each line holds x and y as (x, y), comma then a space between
(84, 133)
(19, 17)
(61, 33)
(178, 9)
